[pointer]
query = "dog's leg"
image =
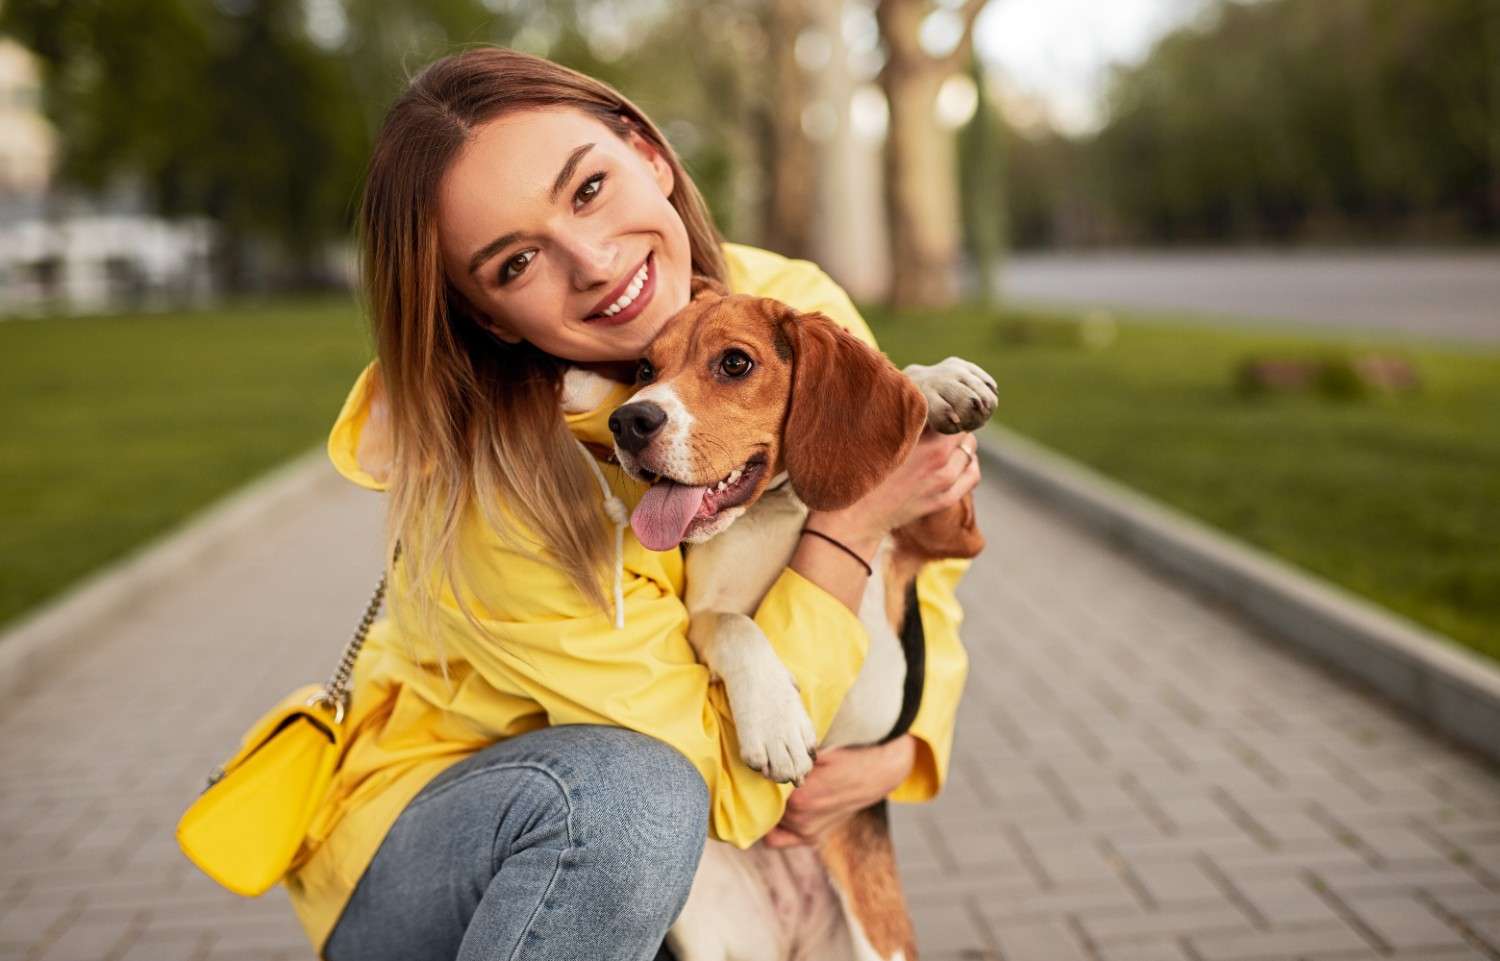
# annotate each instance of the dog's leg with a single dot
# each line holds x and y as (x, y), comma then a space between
(861, 861)
(776, 736)
(960, 395)
(727, 577)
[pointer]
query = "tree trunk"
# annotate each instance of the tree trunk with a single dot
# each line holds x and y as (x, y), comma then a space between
(849, 228)
(791, 164)
(1492, 47)
(921, 170)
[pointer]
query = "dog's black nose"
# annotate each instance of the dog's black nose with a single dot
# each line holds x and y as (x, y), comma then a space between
(633, 424)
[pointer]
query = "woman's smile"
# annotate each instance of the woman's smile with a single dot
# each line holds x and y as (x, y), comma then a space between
(626, 301)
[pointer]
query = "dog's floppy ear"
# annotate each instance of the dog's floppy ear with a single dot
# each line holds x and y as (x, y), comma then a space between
(703, 286)
(852, 416)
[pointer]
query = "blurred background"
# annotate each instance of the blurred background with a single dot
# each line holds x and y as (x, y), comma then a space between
(1239, 255)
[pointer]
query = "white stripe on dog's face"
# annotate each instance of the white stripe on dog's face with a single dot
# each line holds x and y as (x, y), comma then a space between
(670, 451)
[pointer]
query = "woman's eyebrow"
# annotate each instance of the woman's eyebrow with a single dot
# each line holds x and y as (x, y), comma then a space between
(563, 176)
(566, 174)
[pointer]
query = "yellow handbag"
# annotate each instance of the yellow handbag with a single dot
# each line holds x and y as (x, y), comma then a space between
(246, 826)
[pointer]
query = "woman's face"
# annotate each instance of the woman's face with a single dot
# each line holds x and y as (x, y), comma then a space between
(559, 232)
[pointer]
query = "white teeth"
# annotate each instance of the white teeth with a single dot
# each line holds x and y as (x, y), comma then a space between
(734, 475)
(631, 292)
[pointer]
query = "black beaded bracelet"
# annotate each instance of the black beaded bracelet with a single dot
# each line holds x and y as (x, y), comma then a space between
(869, 571)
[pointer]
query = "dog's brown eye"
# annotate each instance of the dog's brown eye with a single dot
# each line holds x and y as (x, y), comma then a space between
(644, 372)
(736, 363)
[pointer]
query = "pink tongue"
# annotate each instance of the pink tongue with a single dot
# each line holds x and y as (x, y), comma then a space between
(664, 513)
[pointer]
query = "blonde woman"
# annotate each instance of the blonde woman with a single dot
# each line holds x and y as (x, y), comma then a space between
(537, 758)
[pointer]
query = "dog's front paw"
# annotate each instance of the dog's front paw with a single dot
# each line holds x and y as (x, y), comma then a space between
(960, 395)
(777, 737)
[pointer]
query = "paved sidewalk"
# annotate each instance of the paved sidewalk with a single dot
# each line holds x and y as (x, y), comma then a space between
(1137, 776)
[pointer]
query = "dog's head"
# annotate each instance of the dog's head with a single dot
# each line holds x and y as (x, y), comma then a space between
(736, 389)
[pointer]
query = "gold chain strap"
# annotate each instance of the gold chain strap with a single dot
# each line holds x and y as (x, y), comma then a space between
(335, 692)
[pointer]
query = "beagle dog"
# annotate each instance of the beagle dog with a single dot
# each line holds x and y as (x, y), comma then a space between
(750, 414)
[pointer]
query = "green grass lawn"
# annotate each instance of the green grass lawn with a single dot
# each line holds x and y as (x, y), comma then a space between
(116, 428)
(1396, 498)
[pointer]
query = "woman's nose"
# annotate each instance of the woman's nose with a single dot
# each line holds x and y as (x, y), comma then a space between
(594, 264)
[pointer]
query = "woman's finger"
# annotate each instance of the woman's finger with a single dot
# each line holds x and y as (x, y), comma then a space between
(960, 459)
(966, 481)
(963, 453)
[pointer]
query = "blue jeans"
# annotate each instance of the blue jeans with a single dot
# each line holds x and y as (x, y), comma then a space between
(571, 842)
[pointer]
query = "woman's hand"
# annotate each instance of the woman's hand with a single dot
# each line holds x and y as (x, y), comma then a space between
(937, 473)
(843, 781)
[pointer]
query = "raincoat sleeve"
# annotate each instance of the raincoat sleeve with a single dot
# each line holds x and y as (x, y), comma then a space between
(807, 287)
(540, 640)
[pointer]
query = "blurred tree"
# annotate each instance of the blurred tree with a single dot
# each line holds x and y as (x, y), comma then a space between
(789, 162)
(384, 43)
(1290, 120)
(920, 164)
(981, 184)
(1492, 58)
(226, 109)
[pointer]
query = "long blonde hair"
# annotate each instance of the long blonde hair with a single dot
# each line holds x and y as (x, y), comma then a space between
(475, 420)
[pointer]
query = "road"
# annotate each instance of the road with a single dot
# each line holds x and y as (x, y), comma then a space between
(1450, 295)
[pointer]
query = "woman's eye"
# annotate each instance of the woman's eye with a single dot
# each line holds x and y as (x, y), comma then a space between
(736, 363)
(644, 372)
(513, 267)
(589, 189)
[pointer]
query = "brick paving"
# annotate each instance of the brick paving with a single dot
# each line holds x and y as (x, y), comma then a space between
(1137, 777)
(1141, 777)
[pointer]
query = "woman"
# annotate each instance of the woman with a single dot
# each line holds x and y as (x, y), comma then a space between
(536, 757)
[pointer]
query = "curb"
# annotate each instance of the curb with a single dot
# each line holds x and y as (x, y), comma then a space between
(46, 637)
(1429, 676)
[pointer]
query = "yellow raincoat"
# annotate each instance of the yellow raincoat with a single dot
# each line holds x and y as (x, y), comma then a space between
(564, 662)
